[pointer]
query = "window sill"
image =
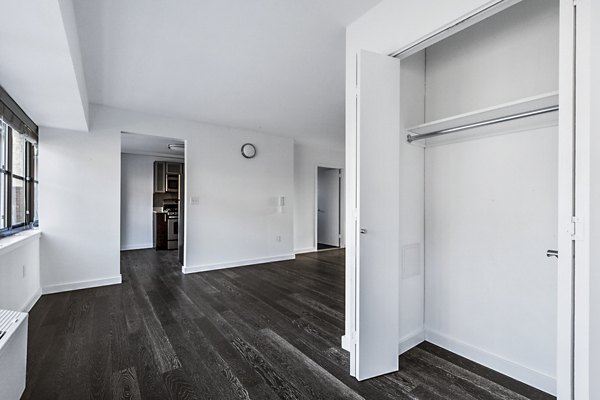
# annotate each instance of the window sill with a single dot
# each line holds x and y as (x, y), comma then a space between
(10, 243)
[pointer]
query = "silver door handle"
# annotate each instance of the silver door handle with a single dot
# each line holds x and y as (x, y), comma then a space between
(363, 231)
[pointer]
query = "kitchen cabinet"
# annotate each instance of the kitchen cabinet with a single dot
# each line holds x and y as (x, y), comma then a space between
(161, 230)
(174, 168)
(160, 177)
(163, 171)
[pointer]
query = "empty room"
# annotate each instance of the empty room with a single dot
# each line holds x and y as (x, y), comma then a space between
(334, 199)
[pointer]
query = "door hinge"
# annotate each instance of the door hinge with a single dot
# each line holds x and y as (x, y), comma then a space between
(576, 228)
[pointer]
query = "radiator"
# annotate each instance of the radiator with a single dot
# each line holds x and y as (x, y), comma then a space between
(13, 354)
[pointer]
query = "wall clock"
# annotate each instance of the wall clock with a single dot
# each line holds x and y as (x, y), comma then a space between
(248, 150)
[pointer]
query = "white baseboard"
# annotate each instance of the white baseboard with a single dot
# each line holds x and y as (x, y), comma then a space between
(514, 370)
(411, 340)
(65, 287)
(141, 246)
(32, 300)
(306, 250)
(233, 264)
(346, 343)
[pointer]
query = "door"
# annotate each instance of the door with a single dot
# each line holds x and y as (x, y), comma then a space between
(328, 206)
(377, 219)
(566, 207)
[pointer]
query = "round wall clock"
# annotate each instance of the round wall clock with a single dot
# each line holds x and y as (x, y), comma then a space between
(248, 150)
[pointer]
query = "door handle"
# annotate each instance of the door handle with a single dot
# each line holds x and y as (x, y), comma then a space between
(552, 253)
(363, 231)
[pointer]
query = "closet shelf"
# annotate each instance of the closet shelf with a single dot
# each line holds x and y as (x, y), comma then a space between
(523, 114)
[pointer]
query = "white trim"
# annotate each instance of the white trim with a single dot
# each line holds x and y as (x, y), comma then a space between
(141, 246)
(65, 287)
(13, 242)
(472, 18)
(507, 367)
(411, 340)
(306, 250)
(232, 264)
(32, 300)
(565, 195)
(346, 342)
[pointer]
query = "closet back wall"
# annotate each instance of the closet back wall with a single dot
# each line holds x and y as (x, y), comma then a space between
(509, 56)
(491, 204)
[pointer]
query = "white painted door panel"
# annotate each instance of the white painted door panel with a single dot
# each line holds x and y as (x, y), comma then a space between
(377, 288)
(566, 205)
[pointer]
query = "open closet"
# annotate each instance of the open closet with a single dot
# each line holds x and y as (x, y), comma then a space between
(457, 242)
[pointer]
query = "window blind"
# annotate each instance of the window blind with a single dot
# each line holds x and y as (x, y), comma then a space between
(14, 116)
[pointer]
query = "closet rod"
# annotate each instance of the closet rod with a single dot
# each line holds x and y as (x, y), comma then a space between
(412, 138)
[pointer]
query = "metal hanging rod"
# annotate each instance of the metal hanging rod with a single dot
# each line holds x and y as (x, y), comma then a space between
(465, 22)
(412, 138)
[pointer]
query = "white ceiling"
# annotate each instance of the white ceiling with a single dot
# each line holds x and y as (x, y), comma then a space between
(269, 65)
(40, 63)
(133, 143)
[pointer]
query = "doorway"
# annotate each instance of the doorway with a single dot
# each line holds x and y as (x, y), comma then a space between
(152, 193)
(329, 208)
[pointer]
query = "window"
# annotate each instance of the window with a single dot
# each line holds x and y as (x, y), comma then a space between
(18, 168)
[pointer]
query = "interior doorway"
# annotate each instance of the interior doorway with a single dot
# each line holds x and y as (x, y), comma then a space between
(329, 208)
(152, 193)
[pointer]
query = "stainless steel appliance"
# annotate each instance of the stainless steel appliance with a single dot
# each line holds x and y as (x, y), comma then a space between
(172, 210)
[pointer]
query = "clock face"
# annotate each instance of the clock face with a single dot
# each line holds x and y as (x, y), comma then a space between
(248, 150)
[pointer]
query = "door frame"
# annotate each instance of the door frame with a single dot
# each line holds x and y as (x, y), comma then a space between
(316, 204)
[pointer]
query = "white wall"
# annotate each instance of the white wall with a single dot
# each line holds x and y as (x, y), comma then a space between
(235, 222)
(510, 56)
(587, 258)
(137, 188)
(20, 273)
(79, 208)
(306, 160)
(491, 204)
(490, 216)
(594, 44)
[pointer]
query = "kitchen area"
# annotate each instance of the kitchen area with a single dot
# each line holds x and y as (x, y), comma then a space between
(167, 220)
(152, 193)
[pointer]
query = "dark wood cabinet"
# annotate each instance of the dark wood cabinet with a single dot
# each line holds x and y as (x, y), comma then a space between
(174, 168)
(161, 230)
(160, 177)
(165, 173)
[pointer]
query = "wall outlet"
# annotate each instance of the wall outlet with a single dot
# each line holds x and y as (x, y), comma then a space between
(195, 200)
(278, 238)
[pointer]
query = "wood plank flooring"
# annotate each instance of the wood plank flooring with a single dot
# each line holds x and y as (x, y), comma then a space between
(262, 332)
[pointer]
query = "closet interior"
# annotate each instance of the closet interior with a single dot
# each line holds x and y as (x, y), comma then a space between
(478, 184)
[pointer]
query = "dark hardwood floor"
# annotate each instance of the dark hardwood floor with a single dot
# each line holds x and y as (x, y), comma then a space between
(323, 246)
(262, 332)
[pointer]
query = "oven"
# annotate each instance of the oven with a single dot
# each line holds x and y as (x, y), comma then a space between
(172, 232)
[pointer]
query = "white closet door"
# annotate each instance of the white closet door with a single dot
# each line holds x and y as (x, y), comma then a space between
(566, 207)
(377, 259)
